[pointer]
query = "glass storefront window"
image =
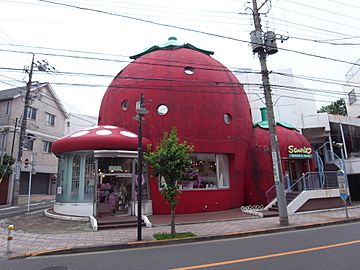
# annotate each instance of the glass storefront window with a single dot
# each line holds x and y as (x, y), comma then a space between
(90, 175)
(115, 165)
(213, 172)
(60, 179)
(76, 178)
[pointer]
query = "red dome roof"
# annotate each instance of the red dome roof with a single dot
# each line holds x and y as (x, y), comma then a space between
(98, 138)
(197, 90)
(285, 136)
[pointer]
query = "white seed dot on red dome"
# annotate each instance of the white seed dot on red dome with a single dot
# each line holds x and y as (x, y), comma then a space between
(128, 134)
(103, 132)
(79, 134)
(110, 127)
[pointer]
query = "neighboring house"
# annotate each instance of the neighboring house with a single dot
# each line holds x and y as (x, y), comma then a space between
(78, 122)
(323, 130)
(337, 138)
(352, 89)
(46, 119)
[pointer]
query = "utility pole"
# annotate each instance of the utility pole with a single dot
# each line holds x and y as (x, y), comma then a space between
(141, 111)
(16, 183)
(41, 66)
(263, 45)
(13, 140)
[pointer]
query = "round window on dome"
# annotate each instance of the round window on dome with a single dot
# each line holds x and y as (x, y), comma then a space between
(227, 118)
(162, 109)
(189, 70)
(125, 105)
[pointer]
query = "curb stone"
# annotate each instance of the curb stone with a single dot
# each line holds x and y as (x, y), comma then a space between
(151, 243)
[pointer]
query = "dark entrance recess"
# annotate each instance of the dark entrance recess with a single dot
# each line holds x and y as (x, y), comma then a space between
(354, 186)
(4, 190)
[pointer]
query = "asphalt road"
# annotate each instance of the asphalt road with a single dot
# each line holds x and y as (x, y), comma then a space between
(11, 211)
(332, 247)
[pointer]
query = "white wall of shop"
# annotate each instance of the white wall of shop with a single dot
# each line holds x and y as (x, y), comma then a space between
(291, 104)
(353, 80)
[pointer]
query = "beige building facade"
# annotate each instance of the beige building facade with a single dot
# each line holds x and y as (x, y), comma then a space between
(46, 118)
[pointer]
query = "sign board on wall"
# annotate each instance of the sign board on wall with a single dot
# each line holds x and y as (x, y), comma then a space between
(342, 185)
(299, 152)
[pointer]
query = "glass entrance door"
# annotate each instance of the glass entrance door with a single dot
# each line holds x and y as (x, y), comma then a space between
(114, 194)
(295, 168)
(115, 187)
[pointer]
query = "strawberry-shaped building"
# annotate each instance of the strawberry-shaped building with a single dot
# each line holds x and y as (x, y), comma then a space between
(183, 87)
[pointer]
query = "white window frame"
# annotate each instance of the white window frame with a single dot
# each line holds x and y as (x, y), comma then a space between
(31, 113)
(47, 147)
(50, 119)
(8, 108)
(29, 142)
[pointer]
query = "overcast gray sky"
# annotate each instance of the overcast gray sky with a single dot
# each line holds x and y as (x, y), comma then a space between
(70, 36)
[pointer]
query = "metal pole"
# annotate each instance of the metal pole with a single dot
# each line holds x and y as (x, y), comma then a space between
(345, 172)
(346, 209)
(10, 238)
(29, 192)
(30, 177)
(13, 140)
(22, 137)
(275, 153)
(139, 173)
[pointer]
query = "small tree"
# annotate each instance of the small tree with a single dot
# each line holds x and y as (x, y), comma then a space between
(171, 160)
(5, 167)
(336, 107)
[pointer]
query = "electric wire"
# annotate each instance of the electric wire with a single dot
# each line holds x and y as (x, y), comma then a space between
(193, 30)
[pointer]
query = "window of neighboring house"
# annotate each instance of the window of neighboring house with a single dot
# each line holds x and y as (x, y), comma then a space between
(47, 147)
(352, 96)
(7, 108)
(31, 113)
(50, 119)
(29, 142)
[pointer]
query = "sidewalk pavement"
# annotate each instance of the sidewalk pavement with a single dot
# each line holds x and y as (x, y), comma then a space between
(35, 234)
(23, 199)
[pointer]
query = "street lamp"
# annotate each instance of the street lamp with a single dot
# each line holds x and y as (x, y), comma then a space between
(141, 111)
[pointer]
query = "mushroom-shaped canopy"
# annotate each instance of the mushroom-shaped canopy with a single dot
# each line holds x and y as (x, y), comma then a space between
(104, 137)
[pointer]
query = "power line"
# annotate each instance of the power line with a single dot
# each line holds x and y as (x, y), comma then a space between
(196, 31)
(222, 69)
(286, 88)
(344, 4)
(321, 9)
(322, 19)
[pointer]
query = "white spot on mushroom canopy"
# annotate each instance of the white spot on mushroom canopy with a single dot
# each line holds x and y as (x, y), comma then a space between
(78, 134)
(110, 127)
(128, 134)
(103, 132)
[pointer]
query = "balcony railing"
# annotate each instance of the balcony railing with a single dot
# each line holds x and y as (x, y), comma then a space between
(309, 181)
